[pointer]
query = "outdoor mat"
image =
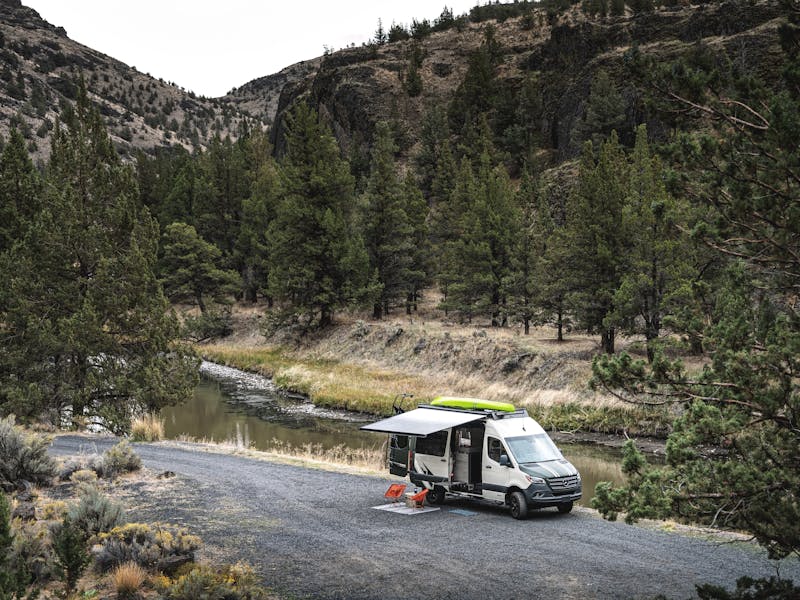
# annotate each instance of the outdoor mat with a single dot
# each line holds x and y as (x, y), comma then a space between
(402, 509)
(462, 511)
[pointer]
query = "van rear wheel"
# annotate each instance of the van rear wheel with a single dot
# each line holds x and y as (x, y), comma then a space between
(436, 495)
(518, 505)
(565, 507)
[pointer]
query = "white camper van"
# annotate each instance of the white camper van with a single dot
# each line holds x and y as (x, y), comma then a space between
(480, 449)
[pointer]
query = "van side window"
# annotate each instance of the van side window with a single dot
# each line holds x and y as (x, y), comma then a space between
(494, 448)
(434, 444)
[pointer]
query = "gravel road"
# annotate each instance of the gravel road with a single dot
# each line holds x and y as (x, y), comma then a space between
(313, 534)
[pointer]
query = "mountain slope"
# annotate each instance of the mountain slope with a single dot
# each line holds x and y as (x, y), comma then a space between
(40, 69)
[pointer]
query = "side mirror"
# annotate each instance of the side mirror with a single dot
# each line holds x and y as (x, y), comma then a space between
(504, 460)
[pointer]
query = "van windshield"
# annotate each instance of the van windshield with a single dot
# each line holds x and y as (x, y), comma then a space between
(533, 448)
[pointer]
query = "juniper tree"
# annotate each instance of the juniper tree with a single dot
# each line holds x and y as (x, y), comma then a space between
(318, 262)
(191, 268)
(87, 325)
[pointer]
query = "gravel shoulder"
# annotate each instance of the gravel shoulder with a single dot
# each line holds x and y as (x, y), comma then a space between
(314, 534)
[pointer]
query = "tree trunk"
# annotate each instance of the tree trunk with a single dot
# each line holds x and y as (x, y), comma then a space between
(201, 303)
(377, 310)
(607, 340)
(560, 325)
(527, 323)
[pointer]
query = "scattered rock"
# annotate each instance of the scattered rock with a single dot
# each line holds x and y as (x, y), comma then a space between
(25, 511)
(479, 334)
(394, 336)
(166, 475)
(420, 346)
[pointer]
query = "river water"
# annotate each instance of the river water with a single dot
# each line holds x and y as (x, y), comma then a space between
(233, 406)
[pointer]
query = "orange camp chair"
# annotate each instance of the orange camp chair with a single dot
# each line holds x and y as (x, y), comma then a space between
(395, 491)
(419, 498)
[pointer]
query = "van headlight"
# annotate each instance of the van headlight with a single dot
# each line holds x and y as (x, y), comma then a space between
(537, 480)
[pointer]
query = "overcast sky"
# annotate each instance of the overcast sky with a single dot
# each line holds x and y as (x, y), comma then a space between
(211, 47)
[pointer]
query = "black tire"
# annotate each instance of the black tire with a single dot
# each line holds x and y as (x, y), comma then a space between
(518, 505)
(565, 507)
(436, 495)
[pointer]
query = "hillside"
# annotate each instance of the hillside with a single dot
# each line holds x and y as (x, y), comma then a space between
(40, 69)
(557, 53)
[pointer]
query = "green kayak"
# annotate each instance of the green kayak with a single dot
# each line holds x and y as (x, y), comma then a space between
(472, 404)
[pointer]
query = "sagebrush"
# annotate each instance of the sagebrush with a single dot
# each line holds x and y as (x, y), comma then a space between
(23, 458)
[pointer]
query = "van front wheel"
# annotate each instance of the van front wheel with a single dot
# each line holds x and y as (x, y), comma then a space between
(565, 507)
(518, 504)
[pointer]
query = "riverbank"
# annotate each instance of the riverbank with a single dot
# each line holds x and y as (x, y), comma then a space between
(364, 366)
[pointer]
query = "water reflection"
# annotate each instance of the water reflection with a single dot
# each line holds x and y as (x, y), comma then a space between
(230, 405)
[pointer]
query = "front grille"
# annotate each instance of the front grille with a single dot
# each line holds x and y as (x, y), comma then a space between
(562, 485)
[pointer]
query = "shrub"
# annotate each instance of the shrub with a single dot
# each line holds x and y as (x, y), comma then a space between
(31, 554)
(23, 457)
(159, 546)
(214, 323)
(72, 465)
(120, 459)
(128, 579)
(237, 582)
(95, 513)
(71, 553)
(54, 510)
(85, 476)
(147, 428)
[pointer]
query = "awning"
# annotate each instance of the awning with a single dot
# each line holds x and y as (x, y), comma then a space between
(423, 421)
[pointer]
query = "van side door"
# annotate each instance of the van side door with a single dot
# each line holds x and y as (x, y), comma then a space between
(495, 475)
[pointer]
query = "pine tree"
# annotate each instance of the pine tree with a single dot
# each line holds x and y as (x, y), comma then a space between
(657, 264)
(20, 189)
(481, 256)
(733, 458)
(419, 275)
(318, 262)
(380, 34)
(448, 229)
(258, 211)
(191, 270)
(526, 284)
(434, 134)
(386, 227)
(87, 325)
(596, 238)
(604, 112)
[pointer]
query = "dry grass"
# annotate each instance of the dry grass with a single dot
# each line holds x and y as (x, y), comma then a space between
(147, 428)
(128, 580)
(362, 458)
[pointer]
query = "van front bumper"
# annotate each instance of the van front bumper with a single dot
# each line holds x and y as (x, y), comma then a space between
(540, 496)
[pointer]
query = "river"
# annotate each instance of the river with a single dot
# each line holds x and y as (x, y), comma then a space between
(233, 406)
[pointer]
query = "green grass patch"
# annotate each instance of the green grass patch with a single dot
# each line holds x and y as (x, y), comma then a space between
(325, 382)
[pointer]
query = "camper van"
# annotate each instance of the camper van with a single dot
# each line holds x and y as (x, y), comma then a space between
(480, 449)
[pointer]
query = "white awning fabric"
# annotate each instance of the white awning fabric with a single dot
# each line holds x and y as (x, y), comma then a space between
(423, 421)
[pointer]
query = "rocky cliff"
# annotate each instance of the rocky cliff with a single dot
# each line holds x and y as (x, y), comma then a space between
(357, 87)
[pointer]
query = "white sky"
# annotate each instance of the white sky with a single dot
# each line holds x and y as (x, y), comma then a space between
(211, 47)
